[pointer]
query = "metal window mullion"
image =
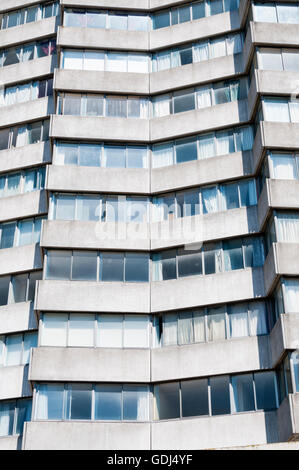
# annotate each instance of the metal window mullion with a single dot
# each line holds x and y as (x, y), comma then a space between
(180, 399)
(209, 397)
(254, 392)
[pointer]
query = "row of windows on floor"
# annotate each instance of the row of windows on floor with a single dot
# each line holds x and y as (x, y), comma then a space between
(18, 287)
(109, 61)
(277, 59)
(26, 92)
(25, 134)
(220, 395)
(142, 331)
(78, 104)
(277, 109)
(22, 232)
(137, 331)
(22, 182)
(286, 296)
(86, 18)
(26, 52)
(276, 12)
(169, 264)
(29, 14)
(174, 152)
(143, 209)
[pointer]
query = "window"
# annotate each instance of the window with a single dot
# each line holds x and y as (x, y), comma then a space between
(28, 15)
(24, 135)
(243, 393)
(275, 12)
(26, 52)
(16, 348)
(13, 414)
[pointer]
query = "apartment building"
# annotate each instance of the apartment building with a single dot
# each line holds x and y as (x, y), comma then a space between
(149, 224)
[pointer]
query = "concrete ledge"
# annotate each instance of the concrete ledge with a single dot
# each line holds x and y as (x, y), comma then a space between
(17, 317)
(14, 382)
(206, 359)
(98, 82)
(197, 291)
(20, 258)
(80, 435)
(275, 34)
(90, 365)
(23, 205)
(95, 235)
(92, 179)
(204, 171)
(282, 259)
(26, 112)
(25, 71)
(10, 443)
(212, 432)
(28, 32)
(25, 157)
(100, 128)
(81, 296)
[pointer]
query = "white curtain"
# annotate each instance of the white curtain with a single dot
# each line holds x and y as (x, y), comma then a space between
(54, 329)
(162, 61)
(238, 320)
(22, 137)
(265, 13)
(26, 54)
(206, 145)
(170, 329)
(282, 166)
(73, 60)
(138, 63)
(42, 403)
(199, 326)
(291, 296)
(94, 61)
(10, 96)
(143, 108)
(175, 59)
(204, 97)
(24, 93)
(161, 106)
(210, 199)
(201, 52)
(258, 319)
(287, 13)
(162, 155)
(81, 330)
(185, 333)
(288, 228)
(218, 48)
(276, 110)
(294, 111)
(117, 62)
(216, 324)
(234, 44)
(142, 403)
(244, 137)
(225, 143)
(2, 349)
(136, 328)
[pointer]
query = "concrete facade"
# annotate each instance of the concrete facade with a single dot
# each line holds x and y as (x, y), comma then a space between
(158, 301)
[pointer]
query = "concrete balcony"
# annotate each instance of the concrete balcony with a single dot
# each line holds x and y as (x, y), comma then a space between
(17, 317)
(23, 205)
(111, 4)
(97, 38)
(100, 180)
(197, 291)
(20, 258)
(284, 336)
(93, 435)
(199, 120)
(195, 74)
(288, 418)
(282, 259)
(28, 32)
(89, 365)
(274, 135)
(212, 432)
(204, 227)
(277, 194)
(83, 296)
(206, 359)
(95, 235)
(26, 112)
(25, 157)
(14, 382)
(26, 71)
(198, 172)
(10, 443)
(100, 128)
(98, 82)
(194, 30)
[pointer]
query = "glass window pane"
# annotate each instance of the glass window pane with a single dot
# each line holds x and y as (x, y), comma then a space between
(59, 265)
(195, 401)
(136, 403)
(137, 157)
(233, 255)
(186, 150)
(84, 266)
(7, 235)
(81, 330)
(291, 59)
(216, 324)
(49, 403)
(110, 331)
(220, 400)
(30, 341)
(4, 286)
(24, 408)
(94, 105)
(185, 328)
(7, 413)
(19, 288)
(270, 59)
(265, 12)
(54, 329)
(112, 267)
(161, 19)
(90, 155)
(189, 262)
(95, 19)
(88, 208)
(65, 207)
(136, 267)
(136, 330)
(183, 101)
(4, 138)
(276, 110)
(26, 232)
(34, 276)
(238, 320)
(108, 402)
(114, 157)
(14, 346)
(79, 401)
(243, 392)
(167, 400)
(265, 390)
